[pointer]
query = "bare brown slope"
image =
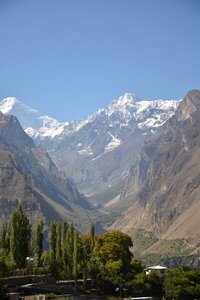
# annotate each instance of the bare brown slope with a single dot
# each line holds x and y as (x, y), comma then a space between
(164, 184)
(27, 173)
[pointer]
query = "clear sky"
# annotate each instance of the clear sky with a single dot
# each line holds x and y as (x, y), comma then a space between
(67, 58)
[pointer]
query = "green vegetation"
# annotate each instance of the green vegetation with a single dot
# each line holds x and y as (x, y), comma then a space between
(38, 244)
(182, 284)
(142, 239)
(52, 296)
(173, 247)
(19, 235)
(105, 258)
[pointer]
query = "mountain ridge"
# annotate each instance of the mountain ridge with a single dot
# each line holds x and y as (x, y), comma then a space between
(98, 151)
(28, 173)
(163, 186)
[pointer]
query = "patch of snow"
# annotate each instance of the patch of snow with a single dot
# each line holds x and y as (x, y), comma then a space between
(115, 142)
(98, 156)
(86, 151)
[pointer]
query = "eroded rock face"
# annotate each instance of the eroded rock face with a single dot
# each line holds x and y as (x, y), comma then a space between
(28, 173)
(164, 183)
(189, 105)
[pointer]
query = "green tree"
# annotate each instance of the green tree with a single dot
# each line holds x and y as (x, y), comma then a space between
(38, 243)
(141, 285)
(58, 244)
(75, 260)
(4, 238)
(92, 236)
(52, 248)
(70, 249)
(111, 260)
(20, 235)
(115, 245)
(64, 229)
(52, 241)
(182, 284)
(3, 263)
(86, 258)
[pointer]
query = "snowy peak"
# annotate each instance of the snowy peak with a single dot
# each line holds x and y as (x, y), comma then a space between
(10, 104)
(122, 105)
(126, 111)
(32, 121)
(125, 100)
(7, 104)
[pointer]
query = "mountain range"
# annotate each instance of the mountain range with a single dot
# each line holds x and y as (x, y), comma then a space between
(98, 151)
(137, 161)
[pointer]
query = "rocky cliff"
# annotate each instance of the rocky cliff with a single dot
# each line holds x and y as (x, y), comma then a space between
(163, 186)
(28, 173)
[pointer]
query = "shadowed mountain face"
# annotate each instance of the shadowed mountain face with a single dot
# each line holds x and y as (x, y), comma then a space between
(28, 173)
(163, 186)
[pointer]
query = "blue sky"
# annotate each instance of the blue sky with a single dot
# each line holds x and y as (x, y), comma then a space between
(68, 58)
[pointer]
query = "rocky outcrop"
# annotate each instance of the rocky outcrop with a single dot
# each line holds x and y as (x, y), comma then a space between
(164, 183)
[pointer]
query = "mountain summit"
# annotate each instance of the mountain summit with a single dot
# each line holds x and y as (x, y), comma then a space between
(99, 150)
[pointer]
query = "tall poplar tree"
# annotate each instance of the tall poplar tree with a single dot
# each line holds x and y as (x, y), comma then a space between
(52, 242)
(38, 243)
(4, 238)
(75, 256)
(64, 229)
(20, 235)
(75, 259)
(92, 236)
(52, 249)
(70, 249)
(58, 243)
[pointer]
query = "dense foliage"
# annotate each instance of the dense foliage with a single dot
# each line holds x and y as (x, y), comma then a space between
(182, 284)
(106, 259)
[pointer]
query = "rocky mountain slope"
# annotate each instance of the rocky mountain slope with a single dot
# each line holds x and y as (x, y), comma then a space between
(28, 173)
(98, 151)
(163, 186)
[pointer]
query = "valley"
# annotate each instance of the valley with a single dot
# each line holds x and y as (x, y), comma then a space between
(136, 162)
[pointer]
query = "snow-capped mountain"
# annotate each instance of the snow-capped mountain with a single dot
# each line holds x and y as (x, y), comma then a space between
(98, 150)
(28, 117)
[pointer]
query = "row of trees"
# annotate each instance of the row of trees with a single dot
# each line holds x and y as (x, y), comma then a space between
(105, 258)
